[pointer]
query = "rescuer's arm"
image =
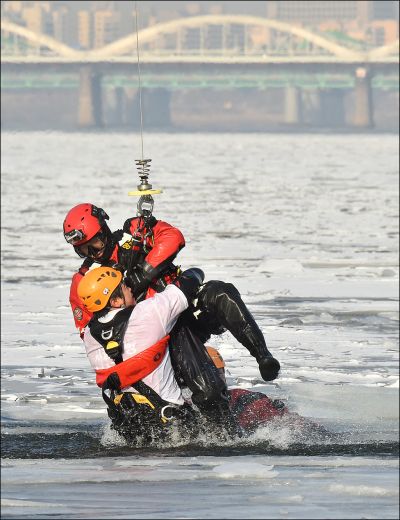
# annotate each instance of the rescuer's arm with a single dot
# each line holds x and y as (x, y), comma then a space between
(164, 245)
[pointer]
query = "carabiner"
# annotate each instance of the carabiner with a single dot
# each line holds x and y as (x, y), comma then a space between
(165, 408)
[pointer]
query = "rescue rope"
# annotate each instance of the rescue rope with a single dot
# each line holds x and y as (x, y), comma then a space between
(139, 78)
(144, 189)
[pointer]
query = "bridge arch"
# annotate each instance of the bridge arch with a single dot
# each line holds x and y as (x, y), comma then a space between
(39, 39)
(149, 34)
(385, 51)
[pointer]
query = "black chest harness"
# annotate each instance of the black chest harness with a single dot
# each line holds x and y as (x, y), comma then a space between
(134, 250)
(110, 335)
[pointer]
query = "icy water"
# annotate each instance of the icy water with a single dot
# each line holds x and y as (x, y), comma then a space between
(307, 227)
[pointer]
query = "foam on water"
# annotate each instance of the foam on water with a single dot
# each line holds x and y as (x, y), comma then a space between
(366, 491)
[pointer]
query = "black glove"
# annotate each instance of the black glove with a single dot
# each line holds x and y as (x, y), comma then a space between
(189, 282)
(113, 349)
(137, 281)
(269, 368)
(114, 265)
(112, 382)
(118, 267)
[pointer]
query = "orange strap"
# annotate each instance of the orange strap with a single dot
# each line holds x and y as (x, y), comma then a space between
(137, 367)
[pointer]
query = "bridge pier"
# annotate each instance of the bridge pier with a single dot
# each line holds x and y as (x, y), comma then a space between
(331, 108)
(90, 99)
(121, 111)
(363, 104)
(293, 106)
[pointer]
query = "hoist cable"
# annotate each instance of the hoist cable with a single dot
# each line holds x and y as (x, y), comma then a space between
(145, 190)
(139, 77)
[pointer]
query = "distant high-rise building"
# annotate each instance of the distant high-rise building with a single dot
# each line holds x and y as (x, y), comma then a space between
(32, 15)
(85, 29)
(311, 12)
(105, 28)
(58, 26)
(11, 7)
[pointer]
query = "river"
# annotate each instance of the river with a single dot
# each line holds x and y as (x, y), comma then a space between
(307, 227)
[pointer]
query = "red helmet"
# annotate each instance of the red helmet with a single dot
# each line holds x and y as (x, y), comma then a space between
(83, 222)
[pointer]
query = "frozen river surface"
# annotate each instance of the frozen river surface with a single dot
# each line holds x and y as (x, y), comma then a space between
(307, 228)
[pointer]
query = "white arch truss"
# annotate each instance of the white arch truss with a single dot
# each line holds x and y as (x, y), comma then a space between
(385, 51)
(39, 39)
(150, 33)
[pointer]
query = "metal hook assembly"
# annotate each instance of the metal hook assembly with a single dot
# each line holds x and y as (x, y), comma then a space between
(143, 167)
(145, 206)
(144, 188)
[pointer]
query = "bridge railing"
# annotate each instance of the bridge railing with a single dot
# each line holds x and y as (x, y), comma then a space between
(293, 48)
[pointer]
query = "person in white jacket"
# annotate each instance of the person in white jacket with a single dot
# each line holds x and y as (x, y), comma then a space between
(127, 343)
(149, 322)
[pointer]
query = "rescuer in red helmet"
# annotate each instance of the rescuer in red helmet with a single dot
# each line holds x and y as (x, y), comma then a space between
(147, 251)
(145, 248)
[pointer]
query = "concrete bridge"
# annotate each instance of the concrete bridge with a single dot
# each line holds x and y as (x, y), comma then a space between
(225, 46)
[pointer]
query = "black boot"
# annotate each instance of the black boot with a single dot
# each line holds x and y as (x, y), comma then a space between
(223, 301)
(269, 368)
(252, 338)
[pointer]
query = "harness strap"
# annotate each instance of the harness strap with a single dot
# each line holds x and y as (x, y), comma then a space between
(138, 243)
(108, 400)
(151, 222)
(145, 390)
(130, 253)
(164, 409)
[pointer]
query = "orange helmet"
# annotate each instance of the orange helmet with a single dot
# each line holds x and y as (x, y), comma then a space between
(96, 287)
(216, 357)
